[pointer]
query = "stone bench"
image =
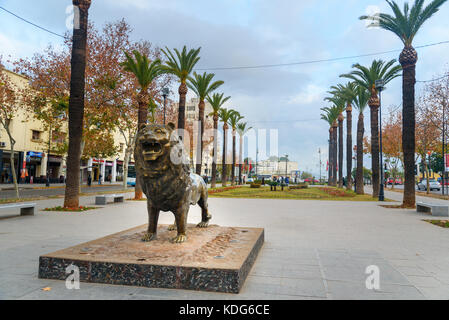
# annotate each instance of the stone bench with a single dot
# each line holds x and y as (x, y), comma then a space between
(101, 200)
(436, 210)
(26, 209)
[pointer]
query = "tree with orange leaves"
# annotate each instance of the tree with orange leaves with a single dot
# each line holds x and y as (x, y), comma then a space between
(9, 107)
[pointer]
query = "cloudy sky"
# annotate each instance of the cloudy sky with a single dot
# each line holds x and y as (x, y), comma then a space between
(234, 33)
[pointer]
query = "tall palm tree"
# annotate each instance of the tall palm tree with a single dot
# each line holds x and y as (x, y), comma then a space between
(347, 93)
(242, 129)
(330, 115)
(406, 24)
(202, 85)
(225, 115)
(181, 66)
(216, 101)
(340, 103)
(145, 72)
(366, 77)
(360, 103)
(76, 104)
(233, 122)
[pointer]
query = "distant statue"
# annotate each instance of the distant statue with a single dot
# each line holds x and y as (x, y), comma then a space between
(165, 177)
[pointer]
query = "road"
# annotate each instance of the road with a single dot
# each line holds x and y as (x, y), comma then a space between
(401, 187)
(8, 192)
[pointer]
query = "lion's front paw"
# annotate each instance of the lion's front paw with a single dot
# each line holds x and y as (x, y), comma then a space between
(171, 227)
(203, 224)
(148, 237)
(180, 238)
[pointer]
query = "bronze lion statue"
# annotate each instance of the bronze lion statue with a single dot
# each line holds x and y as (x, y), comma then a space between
(163, 172)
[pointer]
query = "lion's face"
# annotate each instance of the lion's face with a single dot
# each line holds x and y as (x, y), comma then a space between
(153, 142)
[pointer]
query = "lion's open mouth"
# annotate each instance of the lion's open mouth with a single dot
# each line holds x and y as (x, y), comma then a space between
(151, 150)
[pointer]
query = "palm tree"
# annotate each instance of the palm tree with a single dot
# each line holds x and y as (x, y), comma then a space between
(366, 77)
(181, 66)
(76, 104)
(233, 122)
(202, 85)
(330, 115)
(347, 93)
(145, 72)
(224, 115)
(340, 104)
(216, 101)
(406, 25)
(360, 102)
(242, 129)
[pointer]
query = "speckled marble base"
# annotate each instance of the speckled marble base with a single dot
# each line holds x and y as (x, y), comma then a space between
(213, 259)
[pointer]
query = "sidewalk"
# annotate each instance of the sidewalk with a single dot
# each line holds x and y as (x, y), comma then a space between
(313, 250)
(10, 186)
(397, 196)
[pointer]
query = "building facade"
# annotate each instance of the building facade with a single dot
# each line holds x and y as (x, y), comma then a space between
(33, 141)
(275, 166)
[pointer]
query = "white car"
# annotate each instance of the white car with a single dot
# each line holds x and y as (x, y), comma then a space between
(250, 180)
(433, 185)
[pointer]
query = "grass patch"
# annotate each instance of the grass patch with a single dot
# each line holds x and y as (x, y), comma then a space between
(62, 209)
(332, 194)
(440, 223)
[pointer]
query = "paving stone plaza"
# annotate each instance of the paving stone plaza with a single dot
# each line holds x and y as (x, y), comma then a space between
(313, 250)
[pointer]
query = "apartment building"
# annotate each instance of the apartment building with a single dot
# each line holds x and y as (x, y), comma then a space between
(31, 156)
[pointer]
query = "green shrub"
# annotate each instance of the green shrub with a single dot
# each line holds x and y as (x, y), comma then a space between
(299, 186)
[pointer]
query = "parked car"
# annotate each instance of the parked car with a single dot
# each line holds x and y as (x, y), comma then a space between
(390, 181)
(398, 182)
(250, 180)
(433, 185)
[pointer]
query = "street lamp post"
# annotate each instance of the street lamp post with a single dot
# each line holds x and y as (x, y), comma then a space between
(47, 180)
(165, 93)
(286, 165)
(380, 86)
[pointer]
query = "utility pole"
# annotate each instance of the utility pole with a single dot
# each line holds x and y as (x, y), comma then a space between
(443, 176)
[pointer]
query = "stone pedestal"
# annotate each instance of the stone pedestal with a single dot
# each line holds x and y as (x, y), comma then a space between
(214, 259)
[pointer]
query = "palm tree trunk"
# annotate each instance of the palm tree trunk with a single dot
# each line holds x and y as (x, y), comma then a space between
(340, 151)
(76, 105)
(240, 157)
(359, 175)
(200, 144)
(182, 106)
(334, 155)
(349, 147)
(233, 158)
(141, 121)
(224, 173)
(408, 59)
(374, 108)
(329, 165)
(214, 161)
